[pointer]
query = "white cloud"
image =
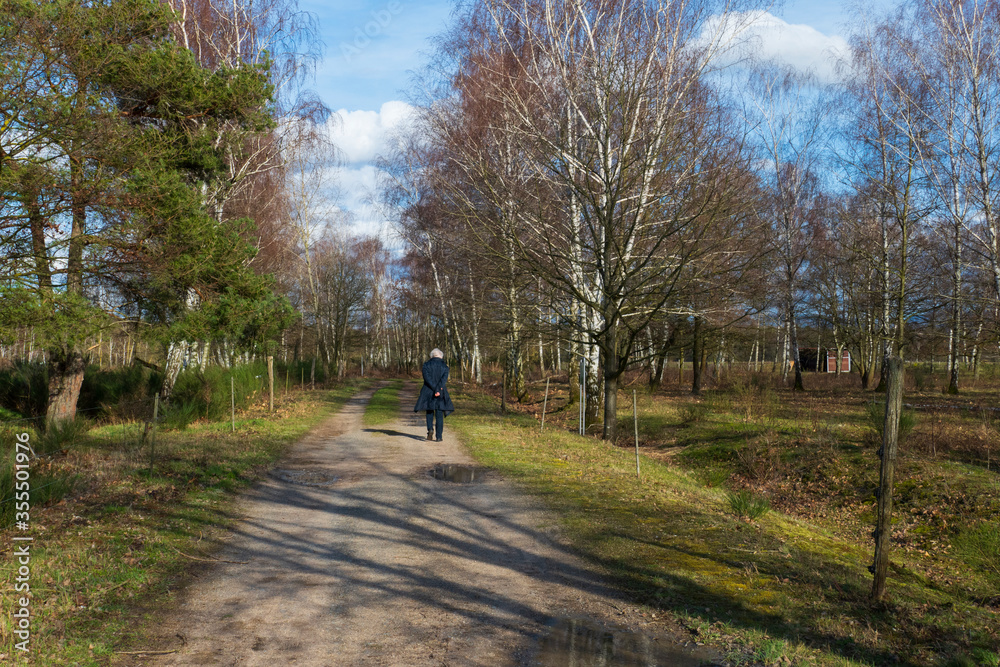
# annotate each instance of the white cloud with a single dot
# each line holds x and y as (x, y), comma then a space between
(362, 135)
(772, 38)
(358, 189)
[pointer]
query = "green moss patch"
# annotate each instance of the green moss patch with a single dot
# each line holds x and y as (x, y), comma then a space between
(788, 586)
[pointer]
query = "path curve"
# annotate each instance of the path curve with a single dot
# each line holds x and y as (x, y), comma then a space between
(357, 556)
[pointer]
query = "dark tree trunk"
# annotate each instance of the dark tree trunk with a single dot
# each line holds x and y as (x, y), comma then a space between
(656, 376)
(37, 223)
(886, 351)
(74, 257)
(66, 364)
(611, 373)
(66, 368)
(656, 373)
(696, 356)
(796, 358)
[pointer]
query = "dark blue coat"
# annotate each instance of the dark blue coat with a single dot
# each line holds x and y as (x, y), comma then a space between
(435, 380)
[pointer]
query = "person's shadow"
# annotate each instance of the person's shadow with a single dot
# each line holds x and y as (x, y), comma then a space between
(389, 431)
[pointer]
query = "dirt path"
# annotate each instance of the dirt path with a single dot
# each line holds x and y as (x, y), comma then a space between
(357, 556)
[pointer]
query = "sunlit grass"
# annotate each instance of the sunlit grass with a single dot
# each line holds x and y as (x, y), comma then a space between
(383, 406)
(108, 558)
(788, 586)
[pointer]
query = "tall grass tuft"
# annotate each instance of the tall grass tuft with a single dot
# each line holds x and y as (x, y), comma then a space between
(61, 435)
(745, 504)
(980, 548)
(758, 460)
(45, 485)
(24, 389)
(695, 412)
(179, 415)
(44, 488)
(207, 391)
(120, 393)
(874, 419)
(754, 399)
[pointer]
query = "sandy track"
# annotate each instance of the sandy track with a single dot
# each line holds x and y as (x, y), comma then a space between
(358, 557)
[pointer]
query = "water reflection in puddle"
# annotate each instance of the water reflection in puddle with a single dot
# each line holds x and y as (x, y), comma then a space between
(451, 472)
(580, 643)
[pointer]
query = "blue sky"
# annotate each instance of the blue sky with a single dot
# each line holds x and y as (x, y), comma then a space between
(371, 46)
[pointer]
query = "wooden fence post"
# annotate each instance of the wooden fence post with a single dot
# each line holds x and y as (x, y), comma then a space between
(152, 437)
(503, 392)
(270, 383)
(635, 422)
(545, 404)
(232, 400)
(890, 437)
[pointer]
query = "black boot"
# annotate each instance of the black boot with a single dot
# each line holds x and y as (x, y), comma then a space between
(430, 435)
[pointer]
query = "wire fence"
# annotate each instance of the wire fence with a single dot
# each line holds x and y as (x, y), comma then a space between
(145, 426)
(35, 489)
(105, 408)
(152, 416)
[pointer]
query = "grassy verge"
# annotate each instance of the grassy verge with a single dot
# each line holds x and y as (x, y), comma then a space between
(782, 589)
(384, 405)
(106, 557)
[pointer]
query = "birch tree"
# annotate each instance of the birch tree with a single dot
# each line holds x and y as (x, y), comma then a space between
(614, 150)
(790, 116)
(952, 49)
(889, 134)
(967, 41)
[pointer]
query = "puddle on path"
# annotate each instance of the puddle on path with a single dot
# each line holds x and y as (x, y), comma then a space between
(452, 472)
(581, 643)
(308, 477)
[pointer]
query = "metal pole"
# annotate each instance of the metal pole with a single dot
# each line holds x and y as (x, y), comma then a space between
(232, 400)
(545, 403)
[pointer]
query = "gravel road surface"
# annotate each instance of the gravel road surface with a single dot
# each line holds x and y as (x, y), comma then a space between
(357, 555)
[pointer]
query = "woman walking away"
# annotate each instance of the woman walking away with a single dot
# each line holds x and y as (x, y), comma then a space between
(434, 397)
